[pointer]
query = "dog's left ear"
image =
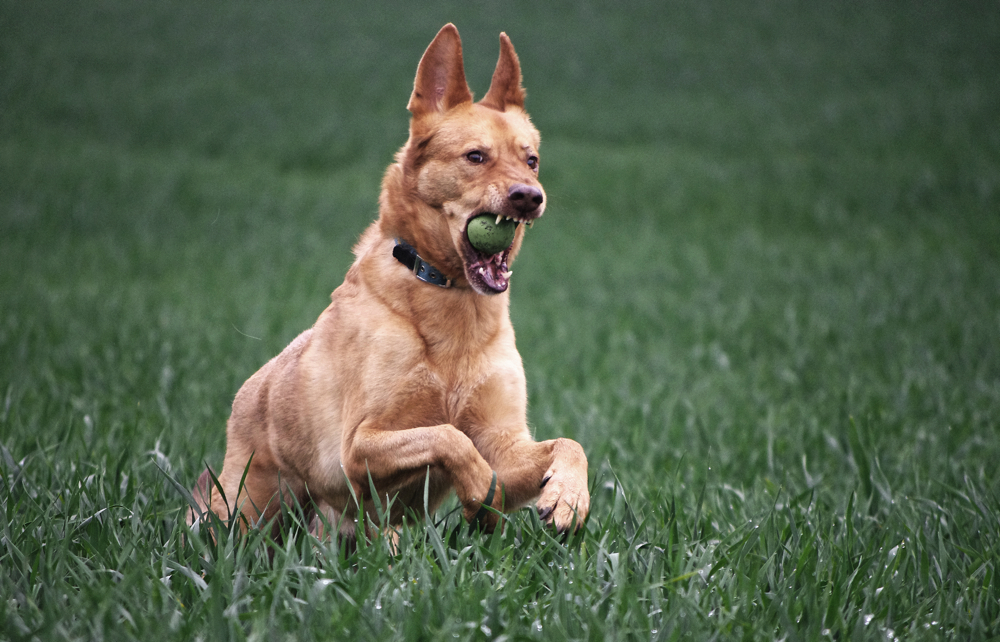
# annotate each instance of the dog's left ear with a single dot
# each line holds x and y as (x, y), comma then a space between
(506, 89)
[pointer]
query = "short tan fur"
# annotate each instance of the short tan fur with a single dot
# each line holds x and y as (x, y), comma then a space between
(401, 379)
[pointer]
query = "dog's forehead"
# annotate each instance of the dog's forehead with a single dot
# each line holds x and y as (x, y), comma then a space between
(489, 128)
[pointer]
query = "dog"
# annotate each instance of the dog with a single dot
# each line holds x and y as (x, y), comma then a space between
(409, 383)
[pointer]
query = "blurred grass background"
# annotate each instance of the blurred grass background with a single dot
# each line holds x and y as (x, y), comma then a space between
(765, 220)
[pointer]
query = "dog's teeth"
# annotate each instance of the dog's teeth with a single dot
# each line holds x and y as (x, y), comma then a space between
(482, 270)
(499, 218)
(531, 223)
(507, 274)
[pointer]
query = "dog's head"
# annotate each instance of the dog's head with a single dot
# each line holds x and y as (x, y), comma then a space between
(464, 159)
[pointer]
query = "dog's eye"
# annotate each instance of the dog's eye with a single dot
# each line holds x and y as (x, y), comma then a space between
(476, 156)
(533, 163)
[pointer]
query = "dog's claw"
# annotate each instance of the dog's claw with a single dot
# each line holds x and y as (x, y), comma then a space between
(545, 513)
(545, 481)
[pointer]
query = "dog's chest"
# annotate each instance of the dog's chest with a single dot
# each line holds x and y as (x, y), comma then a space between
(456, 388)
(455, 402)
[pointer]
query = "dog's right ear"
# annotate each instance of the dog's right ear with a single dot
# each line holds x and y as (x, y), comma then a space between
(440, 83)
(506, 87)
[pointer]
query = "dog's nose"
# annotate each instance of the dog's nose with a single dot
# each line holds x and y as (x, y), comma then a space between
(524, 198)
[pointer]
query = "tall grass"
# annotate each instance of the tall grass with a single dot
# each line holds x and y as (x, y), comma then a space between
(763, 297)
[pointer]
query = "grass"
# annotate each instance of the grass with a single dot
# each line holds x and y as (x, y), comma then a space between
(764, 298)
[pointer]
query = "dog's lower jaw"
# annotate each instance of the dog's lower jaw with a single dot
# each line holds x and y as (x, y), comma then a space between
(487, 275)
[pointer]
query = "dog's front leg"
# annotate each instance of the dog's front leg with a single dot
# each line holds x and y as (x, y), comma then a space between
(397, 458)
(554, 471)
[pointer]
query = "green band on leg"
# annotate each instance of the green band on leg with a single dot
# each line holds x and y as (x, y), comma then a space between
(489, 499)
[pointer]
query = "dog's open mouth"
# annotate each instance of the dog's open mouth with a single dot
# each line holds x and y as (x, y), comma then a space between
(487, 273)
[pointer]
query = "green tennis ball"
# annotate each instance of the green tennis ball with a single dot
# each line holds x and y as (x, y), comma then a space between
(489, 237)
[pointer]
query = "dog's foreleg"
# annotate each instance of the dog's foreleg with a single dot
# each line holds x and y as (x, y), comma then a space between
(554, 471)
(397, 458)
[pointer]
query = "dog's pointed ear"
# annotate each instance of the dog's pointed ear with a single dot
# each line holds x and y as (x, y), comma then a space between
(440, 82)
(506, 87)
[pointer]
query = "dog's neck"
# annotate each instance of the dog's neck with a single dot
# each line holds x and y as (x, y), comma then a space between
(433, 311)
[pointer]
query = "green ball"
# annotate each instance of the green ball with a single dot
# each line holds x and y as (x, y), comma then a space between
(488, 236)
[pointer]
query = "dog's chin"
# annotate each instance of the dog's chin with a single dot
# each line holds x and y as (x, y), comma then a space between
(487, 274)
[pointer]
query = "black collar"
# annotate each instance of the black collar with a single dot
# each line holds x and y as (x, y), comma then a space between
(407, 255)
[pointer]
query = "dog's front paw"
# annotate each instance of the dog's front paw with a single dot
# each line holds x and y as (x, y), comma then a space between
(565, 500)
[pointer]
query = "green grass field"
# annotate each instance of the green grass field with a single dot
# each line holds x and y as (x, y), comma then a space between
(765, 298)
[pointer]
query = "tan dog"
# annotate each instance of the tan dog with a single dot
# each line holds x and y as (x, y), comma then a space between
(411, 375)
